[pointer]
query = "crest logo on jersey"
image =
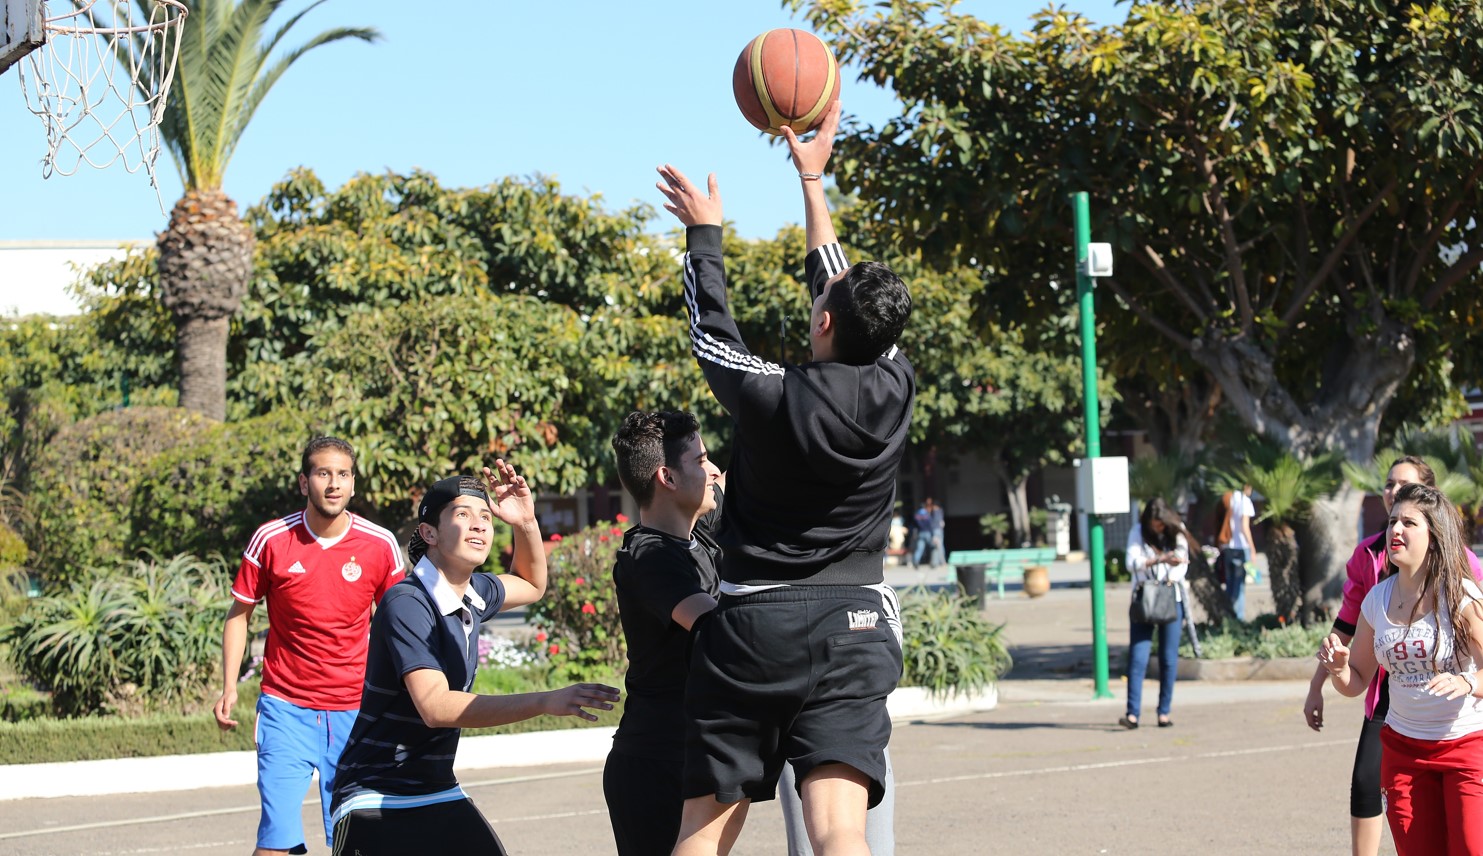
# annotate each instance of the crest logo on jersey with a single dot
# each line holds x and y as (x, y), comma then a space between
(296, 568)
(864, 619)
(350, 570)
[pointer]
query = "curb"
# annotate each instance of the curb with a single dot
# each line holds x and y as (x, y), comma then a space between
(1240, 669)
(224, 769)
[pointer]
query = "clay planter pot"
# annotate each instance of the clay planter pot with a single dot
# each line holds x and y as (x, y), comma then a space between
(1037, 580)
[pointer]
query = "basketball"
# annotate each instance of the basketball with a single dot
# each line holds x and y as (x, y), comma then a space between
(785, 77)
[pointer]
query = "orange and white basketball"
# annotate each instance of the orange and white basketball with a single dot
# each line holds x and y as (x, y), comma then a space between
(785, 77)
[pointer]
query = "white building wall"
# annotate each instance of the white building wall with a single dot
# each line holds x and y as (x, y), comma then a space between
(35, 275)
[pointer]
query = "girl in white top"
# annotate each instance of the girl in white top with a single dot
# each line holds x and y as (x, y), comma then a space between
(1424, 624)
(1158, 550)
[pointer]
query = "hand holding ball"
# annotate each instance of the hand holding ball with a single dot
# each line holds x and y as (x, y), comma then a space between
(785, 77)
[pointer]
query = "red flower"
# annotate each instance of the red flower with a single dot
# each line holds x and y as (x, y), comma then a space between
(623, 518)
(602, 537)
(555, 536)
(555, 649)
(581, 581)
(617, 531)
(541, 636)
(589, 609)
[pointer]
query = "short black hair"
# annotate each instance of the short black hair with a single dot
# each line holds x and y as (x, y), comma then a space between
(647, 441)
(869, 306)
(319, 444)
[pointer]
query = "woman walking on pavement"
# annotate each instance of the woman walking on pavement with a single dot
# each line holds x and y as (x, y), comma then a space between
(1366, 567)
(1157, 550)
(1424, 624)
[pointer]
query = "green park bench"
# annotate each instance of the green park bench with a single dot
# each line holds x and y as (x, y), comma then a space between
(1000, 562)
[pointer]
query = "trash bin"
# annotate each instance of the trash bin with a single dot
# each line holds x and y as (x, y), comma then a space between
(971, 583)
(1058, 525)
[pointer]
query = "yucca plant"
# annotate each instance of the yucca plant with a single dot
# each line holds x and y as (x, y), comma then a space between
(950, 647)
(1169, 476)
(143, 637)
(1449, 452)
(1288, 489)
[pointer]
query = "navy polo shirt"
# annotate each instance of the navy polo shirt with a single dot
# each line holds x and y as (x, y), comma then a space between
(393, 759)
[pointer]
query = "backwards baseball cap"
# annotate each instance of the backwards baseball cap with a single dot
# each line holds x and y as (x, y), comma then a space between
(443, 492)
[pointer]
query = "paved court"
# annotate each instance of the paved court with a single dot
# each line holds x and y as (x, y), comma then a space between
(1047, 771)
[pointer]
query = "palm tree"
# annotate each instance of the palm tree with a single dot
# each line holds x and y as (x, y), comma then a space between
(205, 254)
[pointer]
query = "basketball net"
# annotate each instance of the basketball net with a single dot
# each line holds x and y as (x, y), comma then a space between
(99, 83)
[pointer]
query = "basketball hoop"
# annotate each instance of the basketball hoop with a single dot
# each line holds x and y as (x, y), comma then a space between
(100, 81)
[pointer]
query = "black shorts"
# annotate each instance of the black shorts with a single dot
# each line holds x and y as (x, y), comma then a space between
(447, 827)
(799, 673)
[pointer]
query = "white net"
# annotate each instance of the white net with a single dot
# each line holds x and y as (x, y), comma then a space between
(100, 81)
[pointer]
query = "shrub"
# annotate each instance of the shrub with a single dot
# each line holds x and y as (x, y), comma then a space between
(1264, 637)
(83, 484)
(949, 646)
(19, 702)
(142, 638)
(212, 491)
(583, 637)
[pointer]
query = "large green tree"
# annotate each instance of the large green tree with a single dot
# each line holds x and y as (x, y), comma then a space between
(1290, 189)
(226, 67)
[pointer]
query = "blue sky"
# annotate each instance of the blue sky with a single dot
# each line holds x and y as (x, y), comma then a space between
(593, 92)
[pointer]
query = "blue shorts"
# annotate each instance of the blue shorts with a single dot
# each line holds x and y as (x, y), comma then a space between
(293, 742)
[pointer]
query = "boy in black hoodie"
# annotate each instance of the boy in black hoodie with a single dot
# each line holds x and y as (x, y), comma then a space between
(796, 662)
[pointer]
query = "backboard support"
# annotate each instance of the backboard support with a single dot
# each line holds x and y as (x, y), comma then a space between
(22, 30)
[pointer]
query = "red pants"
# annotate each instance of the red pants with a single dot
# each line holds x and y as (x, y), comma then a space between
(1433, 794)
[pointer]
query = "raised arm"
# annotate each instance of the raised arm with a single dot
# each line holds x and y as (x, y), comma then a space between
(746, 385)
(511, 500)
(811, 159)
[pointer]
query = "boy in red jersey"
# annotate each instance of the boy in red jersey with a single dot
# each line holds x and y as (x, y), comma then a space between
(320, 570)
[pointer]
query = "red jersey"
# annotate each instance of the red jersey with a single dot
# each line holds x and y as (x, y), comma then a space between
(319, 593)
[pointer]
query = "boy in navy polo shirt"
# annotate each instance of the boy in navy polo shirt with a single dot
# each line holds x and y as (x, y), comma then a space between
(395, 792)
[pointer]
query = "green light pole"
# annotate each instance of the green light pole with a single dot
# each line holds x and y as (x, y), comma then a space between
(1095, 547)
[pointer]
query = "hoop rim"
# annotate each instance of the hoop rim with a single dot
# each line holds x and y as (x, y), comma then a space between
(51, 25)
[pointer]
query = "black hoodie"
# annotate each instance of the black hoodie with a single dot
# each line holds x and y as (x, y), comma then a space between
(812, 479)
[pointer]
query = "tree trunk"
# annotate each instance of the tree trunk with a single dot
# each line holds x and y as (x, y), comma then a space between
(201, 350)
(1327, 537)
(1282, 568)
(1360, 381)
(1206, 586)
(205, 262)
(1019, 510)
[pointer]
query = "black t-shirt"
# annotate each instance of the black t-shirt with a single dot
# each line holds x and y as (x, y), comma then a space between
(653, 574)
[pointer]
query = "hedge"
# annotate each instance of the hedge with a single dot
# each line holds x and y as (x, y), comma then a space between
(104, 737)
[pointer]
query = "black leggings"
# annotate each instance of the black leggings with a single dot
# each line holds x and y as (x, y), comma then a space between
(1364, 784)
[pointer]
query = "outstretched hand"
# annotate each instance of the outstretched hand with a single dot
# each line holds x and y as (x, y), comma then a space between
(693, 206)
(813, 156)
(510, 498)
(571, 701)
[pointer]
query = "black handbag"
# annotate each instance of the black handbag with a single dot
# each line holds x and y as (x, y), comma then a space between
(1154, 603)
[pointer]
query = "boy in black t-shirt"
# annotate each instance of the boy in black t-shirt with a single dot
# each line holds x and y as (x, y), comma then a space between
(666, 580)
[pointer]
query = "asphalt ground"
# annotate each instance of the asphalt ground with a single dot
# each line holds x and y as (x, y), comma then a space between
(1047, 771)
